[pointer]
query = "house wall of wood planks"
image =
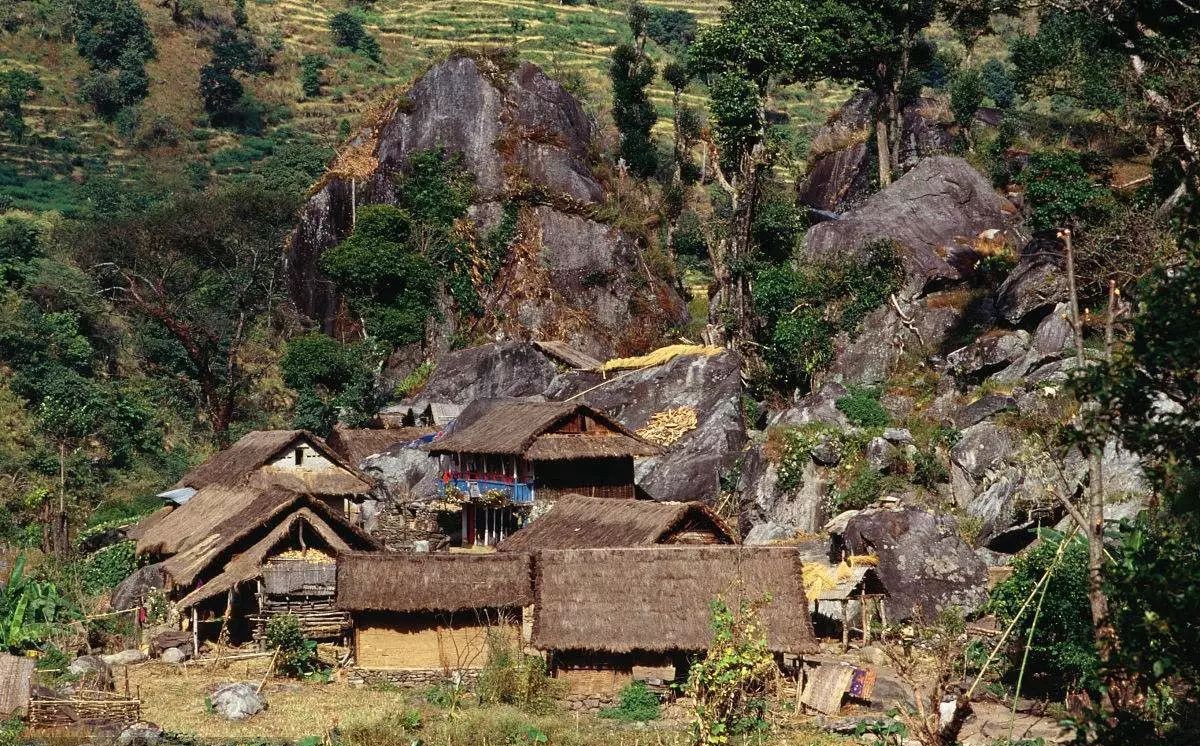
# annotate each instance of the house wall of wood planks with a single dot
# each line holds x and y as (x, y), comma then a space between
(393, 641)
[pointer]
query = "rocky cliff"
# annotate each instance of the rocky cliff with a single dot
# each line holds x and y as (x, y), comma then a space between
(529, 145)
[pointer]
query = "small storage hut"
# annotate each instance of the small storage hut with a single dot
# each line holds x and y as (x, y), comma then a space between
(356, 445)
(430, 614)
(579, 522)
(505, 453)
(835, 588)
(608, 616)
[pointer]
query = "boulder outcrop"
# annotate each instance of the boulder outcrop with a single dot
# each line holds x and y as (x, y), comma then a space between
(709, 384)
(936, 213)
(528, 144)
(923, 563)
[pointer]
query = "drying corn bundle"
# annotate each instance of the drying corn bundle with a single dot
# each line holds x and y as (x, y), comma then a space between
(668, 426)
(658, 357)
(819, 578)
(311, 556)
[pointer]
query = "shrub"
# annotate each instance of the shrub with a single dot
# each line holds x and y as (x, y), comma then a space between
(998, 84)
(1062, 656)
(689, 239)
(348, 31)
(106, 567)
(671, 26)
(1061, 192)
(730, 686)
(966, 96)
(297, 655)
(865, 488)
(311, 68)
(509, 677)
(636, 703)
(861, 406)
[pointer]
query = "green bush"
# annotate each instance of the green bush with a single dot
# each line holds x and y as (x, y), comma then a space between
(864, 489)
(966, 96)
(998, 84)
(1062, 656)
(636, 703)
(1061, 191)
(671, 27)
(861, 406)
(106, 567)
(311, 68)
(297, 655)
(347, 30)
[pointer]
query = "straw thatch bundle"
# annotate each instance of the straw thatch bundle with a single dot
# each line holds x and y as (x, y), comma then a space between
(656, 599)
(578, 522)
(659, 357)
(385, 581)
(521, 428)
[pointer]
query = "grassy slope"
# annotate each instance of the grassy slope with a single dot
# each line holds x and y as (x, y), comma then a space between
(72, 145)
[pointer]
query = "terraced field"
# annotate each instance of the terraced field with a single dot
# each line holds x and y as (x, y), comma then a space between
(572, 42)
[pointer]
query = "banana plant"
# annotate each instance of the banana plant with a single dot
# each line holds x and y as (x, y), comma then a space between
(29, 609)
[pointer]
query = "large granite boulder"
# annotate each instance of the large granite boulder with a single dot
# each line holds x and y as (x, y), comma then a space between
(769, 512)
(938, 213)
(709, 384)
(982, 447)
(510, 369)
(528, 143)
(842, 164)
(923, 563)
(1035, 285)
(131, 591)
(237, 700)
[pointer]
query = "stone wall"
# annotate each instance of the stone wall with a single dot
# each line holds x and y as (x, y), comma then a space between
(589, 703)
(414, 677)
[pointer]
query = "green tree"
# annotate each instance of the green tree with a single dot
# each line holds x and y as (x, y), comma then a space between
(756, 46)
(1130, 56)
(998, 83)
(113, 36)
(1061, 192)
(333, 381)
(15, 88)
(966, 96)
(633, 112)
(201, 270)
(348, 31)
(224, 96)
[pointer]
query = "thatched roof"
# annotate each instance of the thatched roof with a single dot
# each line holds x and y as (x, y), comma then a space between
(233, 483)
(578, 522)
(356, 445)
(267, 516)
(657, 598)
(234, 465)
(432, 582)
(317, 520)
(513, 427)
(567, 355)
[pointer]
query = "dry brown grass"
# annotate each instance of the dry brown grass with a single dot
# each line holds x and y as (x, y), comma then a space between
(173, 697)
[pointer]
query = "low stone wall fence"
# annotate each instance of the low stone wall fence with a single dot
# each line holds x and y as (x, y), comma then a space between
(413, 677)
(589, 703)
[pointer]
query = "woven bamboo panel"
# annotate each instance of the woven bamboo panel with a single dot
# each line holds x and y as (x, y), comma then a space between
(89, 708)
(15, 677)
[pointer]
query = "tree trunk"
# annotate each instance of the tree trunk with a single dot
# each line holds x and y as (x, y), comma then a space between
(882, 145)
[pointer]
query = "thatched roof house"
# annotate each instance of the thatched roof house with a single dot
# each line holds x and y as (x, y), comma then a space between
(238, 547)
(553, 430)
(431, 612)
(356, 445)
(579, 522)
(656, 599)
(502, 453)
(230, 483)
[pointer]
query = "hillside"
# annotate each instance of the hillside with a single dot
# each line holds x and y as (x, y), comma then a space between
(169, 140)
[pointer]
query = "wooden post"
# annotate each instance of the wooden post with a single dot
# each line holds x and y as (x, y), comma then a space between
(882, 619)
(195, 633)
(866, 616)
(845, 625)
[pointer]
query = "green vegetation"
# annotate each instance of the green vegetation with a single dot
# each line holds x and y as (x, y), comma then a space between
(633, 113)
(1062, 654)
(635, 703)
(730, 685)
(297, 655)
(510, 677)
(333, 381)
(15, 88)
(862, 408)
(802, 309)
(347, 30)
(31, 610)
